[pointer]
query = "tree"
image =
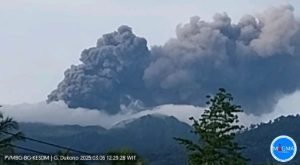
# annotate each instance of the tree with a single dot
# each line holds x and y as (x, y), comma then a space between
(9, 133)
(216, 131)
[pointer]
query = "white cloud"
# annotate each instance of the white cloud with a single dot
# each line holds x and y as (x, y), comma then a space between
(59, 114)
(288, 105)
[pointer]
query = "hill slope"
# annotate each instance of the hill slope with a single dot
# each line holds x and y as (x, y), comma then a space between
(152, 137)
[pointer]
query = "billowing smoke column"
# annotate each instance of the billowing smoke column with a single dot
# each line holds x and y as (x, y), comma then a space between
(257, 59)
(110, 73)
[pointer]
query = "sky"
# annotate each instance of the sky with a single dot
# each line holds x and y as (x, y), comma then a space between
(40, 39)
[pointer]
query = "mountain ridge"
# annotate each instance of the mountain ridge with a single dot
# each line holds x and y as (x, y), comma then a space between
(151, 136)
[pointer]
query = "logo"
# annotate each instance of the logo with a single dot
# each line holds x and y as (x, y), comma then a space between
(283, 148)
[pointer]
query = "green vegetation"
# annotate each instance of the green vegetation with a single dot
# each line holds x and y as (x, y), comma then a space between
(216, 130)
(7, 124)
(215, 140)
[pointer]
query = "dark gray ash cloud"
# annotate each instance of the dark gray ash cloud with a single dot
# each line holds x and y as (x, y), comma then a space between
(256, 59)
(110, 73)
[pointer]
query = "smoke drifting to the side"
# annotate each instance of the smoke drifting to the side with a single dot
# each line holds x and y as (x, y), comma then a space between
(256, 59)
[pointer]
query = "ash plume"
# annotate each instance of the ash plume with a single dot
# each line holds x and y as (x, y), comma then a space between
(256, 59)
(108, 74)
